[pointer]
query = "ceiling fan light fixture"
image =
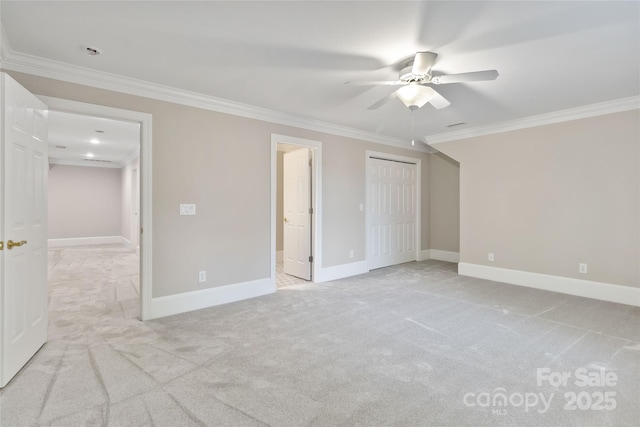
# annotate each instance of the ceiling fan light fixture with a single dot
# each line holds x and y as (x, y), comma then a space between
(414, 95)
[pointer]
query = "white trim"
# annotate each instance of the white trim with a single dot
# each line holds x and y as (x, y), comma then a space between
(5, 47)
(328, 274)
(146, 139)
(82, 241)
(130, 158)
(438, 255)
(84, 164)
(279, 256)
(204, 298)
(317, 198)
(566, 285)
(447, 256)
(93, 164)
(609, 107)
(127, 242)
(43, 67)
(418, 163)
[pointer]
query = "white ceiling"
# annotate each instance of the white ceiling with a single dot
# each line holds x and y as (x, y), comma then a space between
(70, 137)
(294, 57)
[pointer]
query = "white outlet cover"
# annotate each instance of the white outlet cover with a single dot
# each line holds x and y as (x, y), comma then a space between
(187, 209)
(202, 276)
(491, 256)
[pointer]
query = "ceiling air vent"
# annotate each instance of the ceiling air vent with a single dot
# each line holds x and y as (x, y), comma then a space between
(98, 160)
(452, 125)
(62, 147)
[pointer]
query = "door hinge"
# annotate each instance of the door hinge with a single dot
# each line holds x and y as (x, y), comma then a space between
(311, 258)
(311, 210)
(310, 162)
(141, 230)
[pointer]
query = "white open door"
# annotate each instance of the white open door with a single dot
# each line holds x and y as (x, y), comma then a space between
(297, 213)
(392, 212)
(23, 259)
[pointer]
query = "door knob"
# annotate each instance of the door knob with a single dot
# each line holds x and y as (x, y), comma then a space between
(1, 246)
(11, 244)
(286, 220)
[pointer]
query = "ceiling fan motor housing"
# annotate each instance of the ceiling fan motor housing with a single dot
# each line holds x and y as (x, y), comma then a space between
(407, 76)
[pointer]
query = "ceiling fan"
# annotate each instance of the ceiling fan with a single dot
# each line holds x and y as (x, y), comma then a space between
(415, 78)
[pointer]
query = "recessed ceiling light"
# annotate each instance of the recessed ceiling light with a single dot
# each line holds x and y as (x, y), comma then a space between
(92, 51)
(90, 155)
(95, 141)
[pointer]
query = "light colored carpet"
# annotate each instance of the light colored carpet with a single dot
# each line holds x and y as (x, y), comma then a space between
(405, 345)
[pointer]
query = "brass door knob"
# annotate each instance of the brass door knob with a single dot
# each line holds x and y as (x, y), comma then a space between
(286, 220)
(11, 244)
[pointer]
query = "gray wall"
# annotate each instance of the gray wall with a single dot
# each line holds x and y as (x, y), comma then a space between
(222, 163)
(444, 209)
(84, 202)
(128, 208)
(547, 198)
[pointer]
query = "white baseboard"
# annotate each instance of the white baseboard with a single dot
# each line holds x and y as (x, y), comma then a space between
(126, 242)
(447, 256)
(196, 300)
(439, 255)
(81, 241)
(424, 255)
(341, 271)
(279, 256)
(566, 285)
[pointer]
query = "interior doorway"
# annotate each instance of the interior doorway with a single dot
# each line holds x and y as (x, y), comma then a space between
(93, 189)
(296, 212)
(138, 217)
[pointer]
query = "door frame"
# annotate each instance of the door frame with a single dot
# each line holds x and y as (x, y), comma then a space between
(394, 157)
(145, 182)
(316, 200)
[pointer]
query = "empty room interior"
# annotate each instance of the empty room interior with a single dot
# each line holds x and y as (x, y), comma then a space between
(288, 213)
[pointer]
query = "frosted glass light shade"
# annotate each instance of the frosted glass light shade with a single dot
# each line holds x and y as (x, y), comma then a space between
(414, 95)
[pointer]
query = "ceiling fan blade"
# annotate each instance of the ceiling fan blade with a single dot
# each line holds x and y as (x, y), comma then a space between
(383, 101)
(423, 62)
(438, 101)
(376, 83)
(473, 76)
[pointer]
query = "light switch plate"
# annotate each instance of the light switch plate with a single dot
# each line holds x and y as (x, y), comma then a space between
(187, 209)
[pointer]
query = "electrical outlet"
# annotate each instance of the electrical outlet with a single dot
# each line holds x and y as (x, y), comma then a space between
(361, 207)
(187, 209)
(491, 256)
(202, 276)
(582, 268)
(351, 253)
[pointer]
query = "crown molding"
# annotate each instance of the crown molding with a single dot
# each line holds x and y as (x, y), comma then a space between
(599, 109)
(42, 67)
(85, 164)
